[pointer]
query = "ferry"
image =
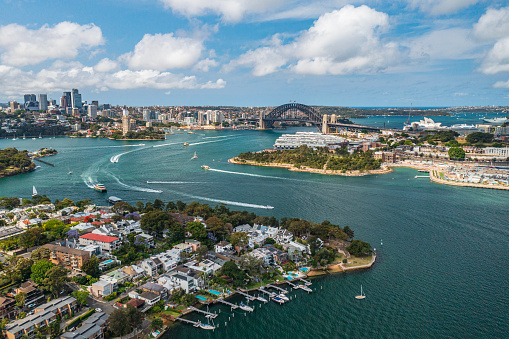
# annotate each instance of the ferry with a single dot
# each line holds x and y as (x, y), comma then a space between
(497, 121)
(186, 144)
(205, 167)
(100, 188)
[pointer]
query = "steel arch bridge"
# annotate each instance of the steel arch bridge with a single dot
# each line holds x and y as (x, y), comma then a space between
(280, 113)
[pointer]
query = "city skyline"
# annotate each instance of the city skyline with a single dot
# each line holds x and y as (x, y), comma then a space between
(238, 53)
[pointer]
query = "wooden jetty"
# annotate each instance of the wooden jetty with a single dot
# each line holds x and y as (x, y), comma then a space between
(307, 283)
(227, 303)
(44, 162)
(282, 290)
(249, 297)
(208, 314)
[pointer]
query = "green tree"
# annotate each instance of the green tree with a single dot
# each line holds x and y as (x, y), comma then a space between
(197, 229)
(39, 271)
(54, 330)
(20, 299)
(157, 324)
(31, 237)
(55, 280)
(231, 270)
(81, 297)
(359, 248)
(349, 232)
(269, 241)
(456, 153)
(91, 267)
(240, 239)
(156, 222)
(40, 254)
(215, 225)
(481, 137)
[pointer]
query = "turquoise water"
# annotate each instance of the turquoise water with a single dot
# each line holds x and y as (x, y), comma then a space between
(441, 272)
(214, 292)
(201, 298)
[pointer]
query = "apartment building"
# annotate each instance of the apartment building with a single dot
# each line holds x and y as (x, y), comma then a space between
(70, 258)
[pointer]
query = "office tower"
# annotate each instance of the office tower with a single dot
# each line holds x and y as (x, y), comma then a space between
(92, 111)
(76, 99)
(63, 102)
(68, 101)
(43, 102)
(29, 98)
(95, 102)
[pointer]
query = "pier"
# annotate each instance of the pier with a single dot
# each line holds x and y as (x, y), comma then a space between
(227, 303)
(249, 297)
(195, 323)
(307, 283)
(270, 294)
(282, 290)
(292, 284)
(44, 162)
(208, 314)
(421, 176)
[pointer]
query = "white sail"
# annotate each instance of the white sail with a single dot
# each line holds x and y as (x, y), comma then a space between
(34, 192)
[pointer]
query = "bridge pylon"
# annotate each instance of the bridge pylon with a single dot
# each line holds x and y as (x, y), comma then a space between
(325, 124)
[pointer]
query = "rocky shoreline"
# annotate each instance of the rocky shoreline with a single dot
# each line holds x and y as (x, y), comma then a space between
(383, 170)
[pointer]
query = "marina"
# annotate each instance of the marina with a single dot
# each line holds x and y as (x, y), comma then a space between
(207, 314)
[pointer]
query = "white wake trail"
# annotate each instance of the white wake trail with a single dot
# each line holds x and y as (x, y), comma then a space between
(172, 143)
(247, 174)
(134, 188)
(234, 203)
(207, 142)
(224, 136)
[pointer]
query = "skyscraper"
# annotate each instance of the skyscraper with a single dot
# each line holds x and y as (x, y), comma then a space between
(30, 98)
(76, 99)
(92, 111)
(43, 102)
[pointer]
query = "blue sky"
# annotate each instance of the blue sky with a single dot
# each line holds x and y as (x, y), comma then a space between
(258, 53)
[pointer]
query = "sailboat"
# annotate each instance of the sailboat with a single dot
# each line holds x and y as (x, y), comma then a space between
(194, 156)
(23, 136)
(70, 172)
(361, 296)
(14, 137)
(34, 192)
(40, 137)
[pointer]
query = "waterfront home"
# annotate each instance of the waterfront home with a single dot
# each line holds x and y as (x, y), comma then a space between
(28, 223)
(101, 289)
(7, 308)
(167, 283)
(280, 257)
(264, 255)
(107, 243)
(207, 266)
(283, 236)
(183, 281)
(149, 297)
(165, 261)
(158, 289)
(223, 246)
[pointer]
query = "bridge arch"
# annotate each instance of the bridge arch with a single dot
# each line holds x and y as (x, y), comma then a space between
(278, 114)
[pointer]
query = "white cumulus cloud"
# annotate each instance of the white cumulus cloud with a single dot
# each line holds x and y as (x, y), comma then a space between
(106, 65)
(21, 46)
(339, 42)
(493, 26)
(163, 52)
(229, 10)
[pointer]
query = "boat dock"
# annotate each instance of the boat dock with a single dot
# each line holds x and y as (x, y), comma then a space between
(208, 314)
(44, 162)
(307, 283)
(421, 176)
(270, 294)
(282, 290)
(227, 303)
(249, 297)
(292, 284)
(195, 323)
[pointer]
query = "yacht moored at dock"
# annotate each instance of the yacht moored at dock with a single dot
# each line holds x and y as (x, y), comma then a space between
(278, 300)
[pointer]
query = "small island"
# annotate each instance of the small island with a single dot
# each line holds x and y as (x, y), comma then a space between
(320, 160)
(13, 162)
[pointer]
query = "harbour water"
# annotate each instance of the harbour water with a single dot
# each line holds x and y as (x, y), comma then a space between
(441, 272)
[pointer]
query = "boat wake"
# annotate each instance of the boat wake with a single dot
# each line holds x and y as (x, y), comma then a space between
(173, 182)
(224, 136)
(115, 158)
(171, 143)
(208, 142)
(134, 188)
(247, 174)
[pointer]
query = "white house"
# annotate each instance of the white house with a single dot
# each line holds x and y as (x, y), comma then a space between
(223, 246)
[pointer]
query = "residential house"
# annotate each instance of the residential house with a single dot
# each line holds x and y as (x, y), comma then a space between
(195, 244)
(70, 258)
(134, 272)
(280, 257)
(107, 243)
(243, 228)
(115, 278)
(263, 254)
(101, 289)
(149, 267)
(7, 308)
(223, 246)
(184, 248)
(207, 266)
(156, 288)
(283, 236)
(149, 297)
(147, 239)
(183, 281)
(34, 296)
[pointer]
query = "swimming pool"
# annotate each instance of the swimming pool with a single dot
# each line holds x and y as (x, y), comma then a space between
(305, 269)
(107, 262)
(201, 298)
(214, 292)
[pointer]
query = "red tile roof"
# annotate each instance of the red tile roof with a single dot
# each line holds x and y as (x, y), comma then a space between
(99, 237)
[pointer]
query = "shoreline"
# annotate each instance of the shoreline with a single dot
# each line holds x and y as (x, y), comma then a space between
(433, 175)
(383, 170)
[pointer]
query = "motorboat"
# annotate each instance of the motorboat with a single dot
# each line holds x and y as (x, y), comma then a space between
(305, 288)
(186, 144)
(278, 300)
(244, 307)
(282, 296)
(205, 167)
(100, 188)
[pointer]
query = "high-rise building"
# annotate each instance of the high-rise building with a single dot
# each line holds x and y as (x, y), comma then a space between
(14, 106)
(95, 102)
(68, 101)
(126, 123)
(43, 102)
(76, 99)
(63, 102)
(92, 111)
(29, 98)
